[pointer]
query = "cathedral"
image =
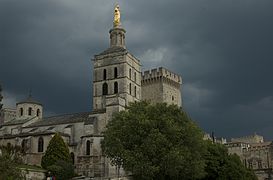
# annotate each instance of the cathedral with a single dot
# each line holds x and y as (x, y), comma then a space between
(117, 81)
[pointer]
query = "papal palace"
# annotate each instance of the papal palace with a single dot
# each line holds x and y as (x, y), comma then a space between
(117, 81)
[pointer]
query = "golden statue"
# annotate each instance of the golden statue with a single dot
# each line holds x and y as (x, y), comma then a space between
(116, 16)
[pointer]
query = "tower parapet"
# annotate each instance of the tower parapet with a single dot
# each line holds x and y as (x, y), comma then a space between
(161, 85)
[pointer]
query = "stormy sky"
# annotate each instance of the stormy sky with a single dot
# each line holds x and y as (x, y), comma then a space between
(223, 49)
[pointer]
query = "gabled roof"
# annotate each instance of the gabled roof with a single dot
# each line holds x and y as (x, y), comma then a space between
(62, 119)
(17, 121)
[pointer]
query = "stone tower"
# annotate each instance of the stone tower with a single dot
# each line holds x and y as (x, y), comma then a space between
(161, 85)
(29, 108)
(117, 73)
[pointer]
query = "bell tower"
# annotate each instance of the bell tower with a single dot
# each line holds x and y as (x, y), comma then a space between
(117, 73)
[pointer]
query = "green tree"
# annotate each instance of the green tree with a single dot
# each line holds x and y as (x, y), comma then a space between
(222, 166)
(10, 158)
(62, 170)
(57, 150)
(155, 142)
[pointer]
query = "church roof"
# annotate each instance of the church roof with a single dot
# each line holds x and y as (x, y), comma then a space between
(17, 121)
(29, 100)
(113, 50)
(62, 119)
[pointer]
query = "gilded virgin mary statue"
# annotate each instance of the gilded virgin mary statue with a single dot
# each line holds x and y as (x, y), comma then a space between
(116, 16)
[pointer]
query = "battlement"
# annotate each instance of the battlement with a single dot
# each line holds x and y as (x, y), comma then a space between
(159, 73)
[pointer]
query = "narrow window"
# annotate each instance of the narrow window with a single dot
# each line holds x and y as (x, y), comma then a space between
(72, 157)
(135, 76)
(116, 87)
(88, 149)
(130, 88)
(29, 111)
(115, 72)
(38, 112)
(104, 89)
(21, 111)
(172, 98)
(40, 144)
(24, 145)
(104, 74)
(135, 91)
(130, 72)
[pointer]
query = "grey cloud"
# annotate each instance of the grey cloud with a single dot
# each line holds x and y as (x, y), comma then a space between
(223, 50)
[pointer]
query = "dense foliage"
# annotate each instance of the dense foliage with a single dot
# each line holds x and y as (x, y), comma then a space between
(222, 166)
(61, 170)
(155, 142)
(10, 158)
(57, 158)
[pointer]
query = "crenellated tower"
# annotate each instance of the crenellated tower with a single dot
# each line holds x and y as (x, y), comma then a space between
(161, 85)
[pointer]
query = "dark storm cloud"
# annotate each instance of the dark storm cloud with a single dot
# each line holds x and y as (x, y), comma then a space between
(223, 50)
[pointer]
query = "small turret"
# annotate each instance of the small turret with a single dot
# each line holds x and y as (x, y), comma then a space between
(29, 108)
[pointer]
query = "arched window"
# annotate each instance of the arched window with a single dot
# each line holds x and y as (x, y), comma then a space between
(116, 87)
(72, 157)
(104, 89)
(29, 111)
(130, 88)
(130, 73)
(115, 72)
(135, 91)
(40, 144)
(21, 111)
(38, 112)
(88, 147)
(104, 74)
(135, 76)
(24, 145)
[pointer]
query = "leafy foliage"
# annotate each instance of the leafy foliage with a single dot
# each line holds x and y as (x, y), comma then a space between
(56, 150)
(222, 166)
(155, 142)
(10, 158)
(62, 170)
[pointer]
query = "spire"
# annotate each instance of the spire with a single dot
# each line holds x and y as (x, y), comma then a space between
(117, 33)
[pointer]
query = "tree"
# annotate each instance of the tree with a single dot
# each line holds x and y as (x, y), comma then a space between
(10, 158)
(57, 150)
(62, 170)
(222, 166)
(155, 142)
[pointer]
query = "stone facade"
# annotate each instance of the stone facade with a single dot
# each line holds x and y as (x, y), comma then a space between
(254, 153)
(117, 82)
(161, 85)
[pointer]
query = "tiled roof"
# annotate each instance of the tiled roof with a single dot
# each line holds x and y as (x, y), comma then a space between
(17, 121)
(9, 136)
(66, 119)
(113, 50)
(29, 100)
(62, 119)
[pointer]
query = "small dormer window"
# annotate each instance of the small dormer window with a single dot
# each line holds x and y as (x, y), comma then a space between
(21, 111)
(29, 111)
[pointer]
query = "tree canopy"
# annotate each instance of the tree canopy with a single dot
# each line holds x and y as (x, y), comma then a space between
(10, 158)
(222, 166)
(57, 150)
(155, 142)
